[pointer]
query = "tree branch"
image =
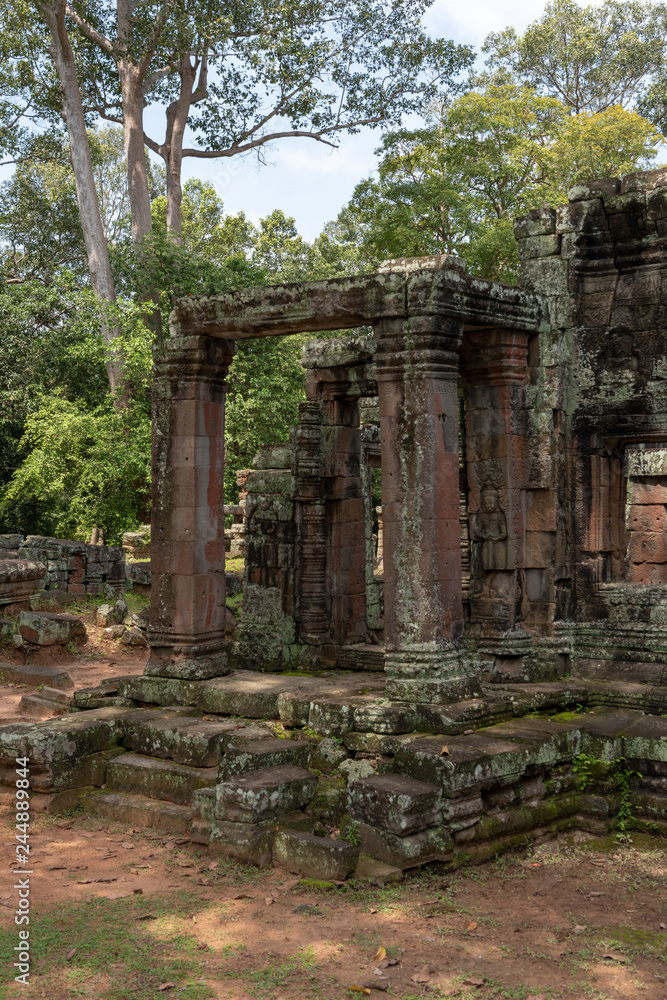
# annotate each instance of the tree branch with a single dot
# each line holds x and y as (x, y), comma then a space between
(91, 33)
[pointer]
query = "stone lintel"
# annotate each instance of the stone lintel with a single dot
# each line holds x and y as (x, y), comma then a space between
(340, 303)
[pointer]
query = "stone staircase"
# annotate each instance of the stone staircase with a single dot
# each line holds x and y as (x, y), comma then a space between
(481, 777)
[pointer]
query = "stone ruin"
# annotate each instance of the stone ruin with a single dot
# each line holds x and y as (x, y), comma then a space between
(520, 616)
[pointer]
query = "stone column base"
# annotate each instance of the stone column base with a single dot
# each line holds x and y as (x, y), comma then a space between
(432, 673)
(173, 656)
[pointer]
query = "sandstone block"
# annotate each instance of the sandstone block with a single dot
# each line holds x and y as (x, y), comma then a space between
(267, 752)
(353, 770)
(158, 779)
(34, 674)
(434, 844)
(190, 741)
(317, 857)
(45, 629)
(395, 803)
(111, 614)
(329, 753)
(372, 870)
(134, 637)
(265, 793)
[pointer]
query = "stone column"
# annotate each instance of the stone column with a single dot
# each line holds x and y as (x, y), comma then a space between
(494, 365)
(187, 618)
(417, 369)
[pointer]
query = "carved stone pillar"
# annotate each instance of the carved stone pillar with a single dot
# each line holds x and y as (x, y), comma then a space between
(494, 368)
(187, 618)
(417, 367)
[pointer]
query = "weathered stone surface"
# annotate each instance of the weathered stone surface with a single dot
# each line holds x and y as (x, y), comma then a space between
(158, 779)
(434, 844)
(20, 579)
(45, 629)
(190, 741)
(253, 842)
(35, 674)
(265, 793)
(317, 857)
(67, 738)
(111, 614)
(329, 753)
(395, 803)
(378, 872)
(355, 769)
(139, 810)
(133, 637)
(262, 753)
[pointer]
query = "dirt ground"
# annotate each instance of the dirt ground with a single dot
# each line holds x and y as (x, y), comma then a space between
(88, 661)
(126, 914)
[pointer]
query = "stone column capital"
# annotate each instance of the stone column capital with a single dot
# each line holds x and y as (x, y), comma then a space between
(417, 347)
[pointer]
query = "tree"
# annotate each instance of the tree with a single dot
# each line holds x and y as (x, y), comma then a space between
(591, 57)
(455, 185)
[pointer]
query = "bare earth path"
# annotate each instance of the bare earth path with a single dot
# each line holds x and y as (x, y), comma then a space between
(151, 917)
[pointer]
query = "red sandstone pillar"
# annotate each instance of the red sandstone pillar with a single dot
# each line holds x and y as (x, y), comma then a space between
(417, 367)
(494, 365)
(187, 618)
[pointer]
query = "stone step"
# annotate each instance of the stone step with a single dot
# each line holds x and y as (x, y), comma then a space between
(139, 810)
(187, 740)
(69, 737)
(461, 763)
(262, 794)
(361, 656)
(316, 857)
(157, 778)
(267, 752)
(395, 803)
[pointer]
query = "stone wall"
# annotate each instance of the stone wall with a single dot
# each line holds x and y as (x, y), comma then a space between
(76, 567)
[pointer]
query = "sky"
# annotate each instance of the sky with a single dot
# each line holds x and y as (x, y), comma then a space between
(311, 182)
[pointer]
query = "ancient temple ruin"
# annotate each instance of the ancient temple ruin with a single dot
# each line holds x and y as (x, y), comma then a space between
(530, 422)
(519, 607)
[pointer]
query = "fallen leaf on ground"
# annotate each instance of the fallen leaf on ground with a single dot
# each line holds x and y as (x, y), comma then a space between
(423, 976)
(127, 845)
(269, 900)
(360, 989)
(612, 956)
(444, 750)
(579, 929)
(386, 962)
(70, 954)
(144, 870)
(89, 881)
(242, 895)
(292, 884)
(376, 986)
(380, 954)
(204, 881)
(591, 894)
(165, 986)
(474, 981)
(471, 925)
(57, 868)
(146, 916)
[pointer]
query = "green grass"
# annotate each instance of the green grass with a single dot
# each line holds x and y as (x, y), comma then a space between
(118, 957)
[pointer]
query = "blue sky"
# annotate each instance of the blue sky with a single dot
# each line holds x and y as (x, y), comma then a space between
(310, 181)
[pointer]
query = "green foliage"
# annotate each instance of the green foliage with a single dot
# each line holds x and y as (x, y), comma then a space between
(455, 185)
(591, 57)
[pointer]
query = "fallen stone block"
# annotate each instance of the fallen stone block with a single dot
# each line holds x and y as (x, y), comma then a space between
(111, 614)
(35, 675)
(317, 857)
(158, 779)
(267, 752)
(45, 600)
(395, 803)
(329, 753)
(134, 637)
(113, 632)
(265, 793)
(44, 629)
(40, 706)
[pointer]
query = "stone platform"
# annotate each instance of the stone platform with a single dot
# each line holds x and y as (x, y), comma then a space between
(257, 766)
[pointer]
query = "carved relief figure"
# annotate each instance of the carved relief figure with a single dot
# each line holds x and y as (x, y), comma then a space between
(489, 527)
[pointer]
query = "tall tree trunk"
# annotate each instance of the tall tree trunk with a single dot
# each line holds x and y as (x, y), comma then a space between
(86, 193)
(177, 119)
(135, 151)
